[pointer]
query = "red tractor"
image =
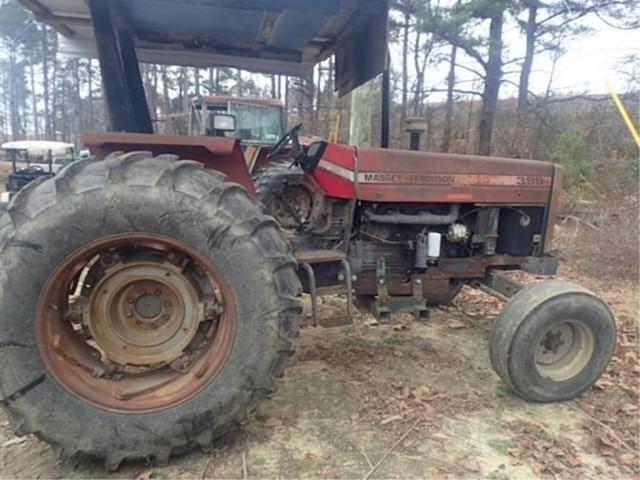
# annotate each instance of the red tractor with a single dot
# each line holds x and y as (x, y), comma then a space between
(149, 302)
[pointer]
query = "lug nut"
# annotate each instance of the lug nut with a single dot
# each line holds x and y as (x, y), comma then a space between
(167, 303)
(130, 299)
(129, 313)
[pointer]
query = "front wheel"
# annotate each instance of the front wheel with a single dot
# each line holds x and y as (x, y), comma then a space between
(147, 306)
(552, 341)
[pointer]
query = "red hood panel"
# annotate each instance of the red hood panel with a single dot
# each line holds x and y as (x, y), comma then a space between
(406, 176)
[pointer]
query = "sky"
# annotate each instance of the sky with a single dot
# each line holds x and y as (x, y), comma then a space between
(594, 59)
(591, 60)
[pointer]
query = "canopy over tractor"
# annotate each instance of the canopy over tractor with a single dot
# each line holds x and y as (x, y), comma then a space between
(286, 37)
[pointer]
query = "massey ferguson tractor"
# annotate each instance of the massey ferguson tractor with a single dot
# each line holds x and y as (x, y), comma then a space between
(150, 299)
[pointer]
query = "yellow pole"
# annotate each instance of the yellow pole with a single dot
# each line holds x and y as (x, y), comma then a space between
(623, 113)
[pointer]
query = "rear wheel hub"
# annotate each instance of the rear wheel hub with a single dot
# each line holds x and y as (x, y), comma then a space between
(136, 322)
(142, 313)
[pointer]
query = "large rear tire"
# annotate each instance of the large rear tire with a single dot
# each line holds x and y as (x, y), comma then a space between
(187, 312)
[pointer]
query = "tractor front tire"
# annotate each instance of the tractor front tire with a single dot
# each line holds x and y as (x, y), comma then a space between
(552, 341)
(283, 193)
(147, 307)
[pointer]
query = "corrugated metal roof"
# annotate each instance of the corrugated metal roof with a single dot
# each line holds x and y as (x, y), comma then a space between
(274, 36)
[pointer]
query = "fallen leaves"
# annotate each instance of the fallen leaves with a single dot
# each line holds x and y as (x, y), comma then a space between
(545, 454)
(628, 460)
(456, 324)
(391, 419)
(470, 465)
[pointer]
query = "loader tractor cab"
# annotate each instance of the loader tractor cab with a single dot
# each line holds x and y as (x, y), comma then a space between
(252, 121)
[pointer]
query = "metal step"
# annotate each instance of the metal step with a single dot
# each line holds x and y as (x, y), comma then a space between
(306, 259)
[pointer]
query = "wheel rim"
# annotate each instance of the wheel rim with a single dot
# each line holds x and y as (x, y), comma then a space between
(135, 322)
(564, 350)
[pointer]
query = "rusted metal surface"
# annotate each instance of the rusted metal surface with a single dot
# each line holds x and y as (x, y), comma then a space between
(135, 322)
(381, 175)
(141, 313)
(496, 283)
(400, 175)
(319, 256)
(223, 100)
(436, 279)
(552, 209)
(218, 153)
(344, 286)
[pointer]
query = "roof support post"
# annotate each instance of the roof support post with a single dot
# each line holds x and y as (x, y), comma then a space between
(385, 120)
(121, 79)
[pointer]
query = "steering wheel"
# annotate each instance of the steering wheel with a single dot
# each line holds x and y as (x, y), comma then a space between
(291, 137)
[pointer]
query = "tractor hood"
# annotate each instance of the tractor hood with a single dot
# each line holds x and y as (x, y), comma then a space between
(401, 175)
(381, 175)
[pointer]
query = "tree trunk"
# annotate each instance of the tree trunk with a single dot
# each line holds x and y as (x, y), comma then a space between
(13, 97)
(183, 88)
(211, 81)
(78, 120)
(405, 69)
(448, 114)
(54, 96)
(196, 76)
(34, 103)
(150, 79)
(92, 125)
(238, 82)
(273, 86)
(310, 93)
(420, 65)
(363, 107)
(286, 100)
(45, 83)
(491, 85)
(527, 64)
(534, 148)
(166, 99)
(154, 93)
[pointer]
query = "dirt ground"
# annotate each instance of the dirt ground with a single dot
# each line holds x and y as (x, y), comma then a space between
(420, 400)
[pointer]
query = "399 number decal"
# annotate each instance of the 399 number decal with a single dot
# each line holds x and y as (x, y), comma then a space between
(532, 181)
